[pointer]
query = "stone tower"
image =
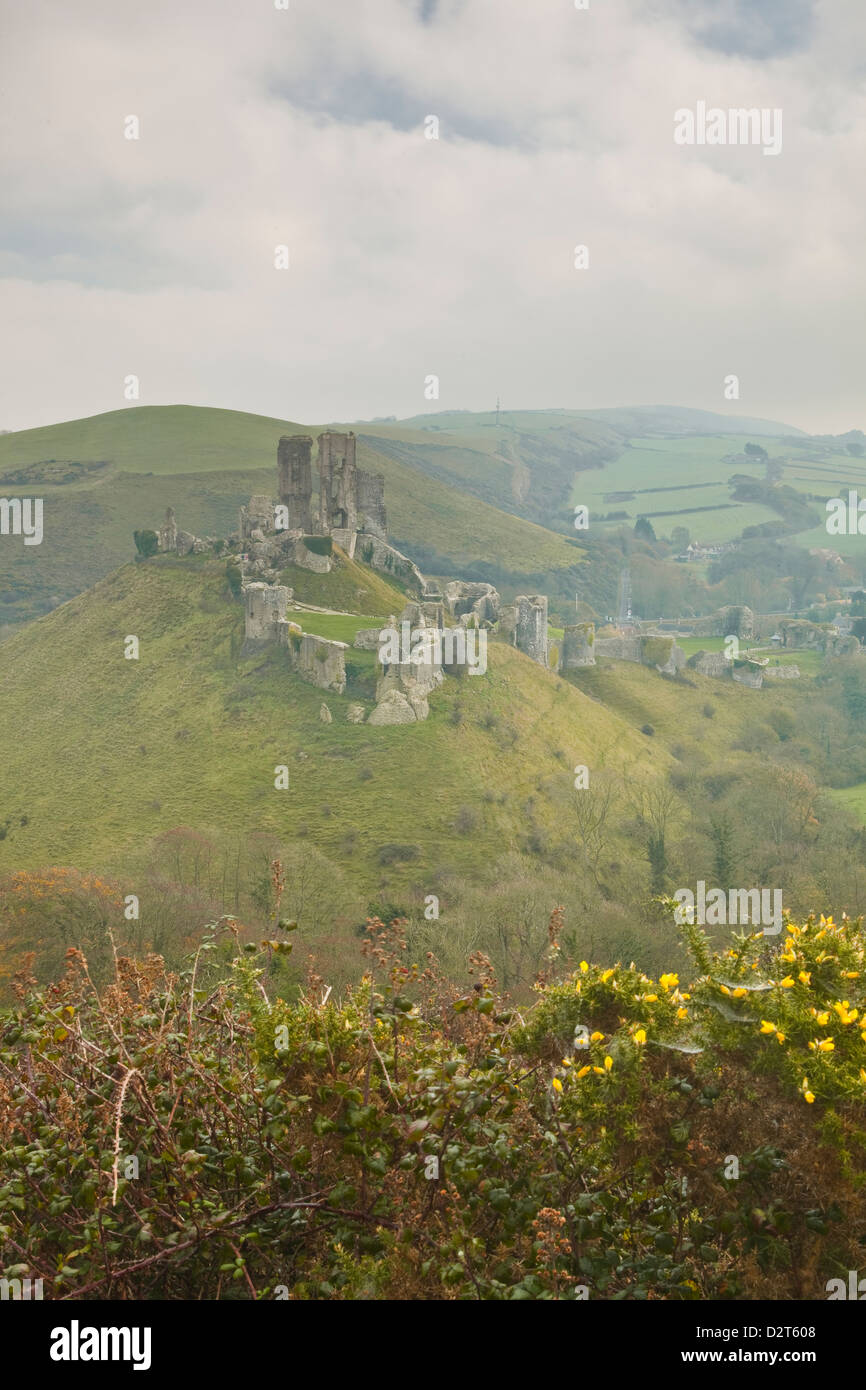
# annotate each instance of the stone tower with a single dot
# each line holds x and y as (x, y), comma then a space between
(264, 609)
(370, 499)
(295, 480)
(531, 626)
(338, 504)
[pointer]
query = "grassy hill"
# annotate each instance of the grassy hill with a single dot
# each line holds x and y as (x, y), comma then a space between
(102, 477)
(116, 751)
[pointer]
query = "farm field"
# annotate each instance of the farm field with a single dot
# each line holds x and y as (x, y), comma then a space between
(675, 482)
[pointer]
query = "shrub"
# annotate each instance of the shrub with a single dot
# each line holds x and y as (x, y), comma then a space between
(373, 1142)
(146, 544)
(235, 578)
(648, 730)
(397, 854)
(319, 545)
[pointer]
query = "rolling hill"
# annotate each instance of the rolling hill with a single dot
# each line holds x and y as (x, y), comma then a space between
(102, 477)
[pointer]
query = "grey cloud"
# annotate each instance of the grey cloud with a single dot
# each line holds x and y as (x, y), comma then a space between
(751, 28)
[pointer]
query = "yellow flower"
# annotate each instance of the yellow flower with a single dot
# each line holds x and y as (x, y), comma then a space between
(862, 1074)
(557, 1084)
(682, 1013)
(599, 1071)
(822, 1019)
(787, 983)
(724, 989)
(808, 1097)
(608, 1063)
(583, 1071)
(596, 1037)
(780, 1037)
(807, 1094)
(651, 999)
(850, 974)
(668, 981)
(804, 977)
(767, 1027)
(789, 956)
(795, 931)
(846, 1014)
(566, 1061)
(739, 993)
(606, 976)
(825, 1045)
(584, 967)
(640, 1036)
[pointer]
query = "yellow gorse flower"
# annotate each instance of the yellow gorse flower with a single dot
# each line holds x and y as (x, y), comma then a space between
(669, 981)
(640, 1036)
(845, 1012)
(557, 1084)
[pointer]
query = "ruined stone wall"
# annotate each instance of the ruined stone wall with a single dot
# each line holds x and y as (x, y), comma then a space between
(751, 676)
(320, 661)
(370, 502)
(714, 664)
(578, 646)
(264, 608)
(380, 556)
(623, 648)
(530, 632)
(735, 620)
(465, 600)
(295, 480)
(337, 481)
(787, 672)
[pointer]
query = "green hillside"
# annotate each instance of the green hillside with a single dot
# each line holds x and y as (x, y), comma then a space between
(116, 751)
(102, 477)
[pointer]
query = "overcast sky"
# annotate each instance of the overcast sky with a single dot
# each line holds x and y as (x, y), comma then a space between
(411, 257)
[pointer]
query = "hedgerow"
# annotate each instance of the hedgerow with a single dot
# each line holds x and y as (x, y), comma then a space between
(185, 1136)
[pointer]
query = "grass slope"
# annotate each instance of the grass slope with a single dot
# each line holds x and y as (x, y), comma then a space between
(116, 751)
(121, 470)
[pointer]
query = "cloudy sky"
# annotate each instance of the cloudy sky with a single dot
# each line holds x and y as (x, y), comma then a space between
(409, 256)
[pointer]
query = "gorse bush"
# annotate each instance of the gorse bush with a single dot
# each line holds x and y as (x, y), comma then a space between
(185, 1136)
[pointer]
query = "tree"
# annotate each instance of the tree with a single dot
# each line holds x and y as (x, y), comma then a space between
(643, 529)
(680, 537)
(756, 451)
(146, 543)
(235, 578)
(724, 857)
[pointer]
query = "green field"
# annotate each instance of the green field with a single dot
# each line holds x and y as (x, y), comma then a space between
(854, 798)
(684, 479)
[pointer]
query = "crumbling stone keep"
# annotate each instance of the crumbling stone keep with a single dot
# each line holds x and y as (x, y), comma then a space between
(295, 480)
